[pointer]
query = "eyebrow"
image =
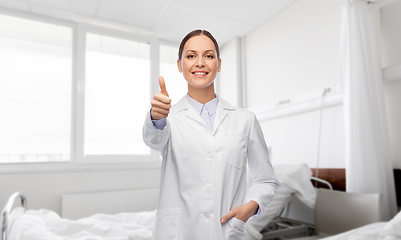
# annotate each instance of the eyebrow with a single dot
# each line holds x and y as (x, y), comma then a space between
(210, 50)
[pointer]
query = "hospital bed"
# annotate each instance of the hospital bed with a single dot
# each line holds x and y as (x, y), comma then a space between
(338, 216)
(120, 217)
(352, 216)
(348, 216)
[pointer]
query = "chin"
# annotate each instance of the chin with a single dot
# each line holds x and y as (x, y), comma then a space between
(201, 85)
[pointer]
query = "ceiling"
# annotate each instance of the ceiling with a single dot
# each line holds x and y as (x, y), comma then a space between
(165, 19)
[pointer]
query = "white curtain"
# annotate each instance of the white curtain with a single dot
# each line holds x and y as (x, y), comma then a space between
(368, 158)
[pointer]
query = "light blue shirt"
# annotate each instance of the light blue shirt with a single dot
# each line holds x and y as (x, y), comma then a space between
(207, 111)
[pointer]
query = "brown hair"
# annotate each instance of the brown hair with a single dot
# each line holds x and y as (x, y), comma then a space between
(195, 33)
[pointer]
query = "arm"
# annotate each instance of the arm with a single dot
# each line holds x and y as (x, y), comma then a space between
(243, 212)
(264, 185)
(156, 131)
(154, 136)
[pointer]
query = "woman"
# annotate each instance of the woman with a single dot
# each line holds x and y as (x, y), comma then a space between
(207, 145)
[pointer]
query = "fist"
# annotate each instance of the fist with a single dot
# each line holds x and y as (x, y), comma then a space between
(161, 102)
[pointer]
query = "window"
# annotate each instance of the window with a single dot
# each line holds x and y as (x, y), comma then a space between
(35, 91)
(74, 95)
(175, 83)
(117, 87)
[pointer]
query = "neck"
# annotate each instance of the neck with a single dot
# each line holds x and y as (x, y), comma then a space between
(202, 95)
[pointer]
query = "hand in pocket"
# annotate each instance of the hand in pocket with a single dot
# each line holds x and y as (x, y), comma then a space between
(243, 212)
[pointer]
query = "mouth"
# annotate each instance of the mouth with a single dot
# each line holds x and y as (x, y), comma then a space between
(200, 73)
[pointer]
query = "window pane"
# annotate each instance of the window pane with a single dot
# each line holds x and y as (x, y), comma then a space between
(117, 89)
(175, 83)
(35, 91)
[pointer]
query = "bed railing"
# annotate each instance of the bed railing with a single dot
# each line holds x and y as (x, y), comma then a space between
(7, 210)
(322, 181)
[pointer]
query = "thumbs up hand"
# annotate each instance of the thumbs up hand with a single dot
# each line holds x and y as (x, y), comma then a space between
(161, 102)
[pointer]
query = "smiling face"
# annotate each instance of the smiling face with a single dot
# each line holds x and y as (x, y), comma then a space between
(199, 62)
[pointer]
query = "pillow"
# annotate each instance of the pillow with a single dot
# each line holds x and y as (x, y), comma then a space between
(393, 227)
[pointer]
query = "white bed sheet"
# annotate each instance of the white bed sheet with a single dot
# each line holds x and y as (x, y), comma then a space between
(47, 225)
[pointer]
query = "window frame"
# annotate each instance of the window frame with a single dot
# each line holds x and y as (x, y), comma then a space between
(78, 162)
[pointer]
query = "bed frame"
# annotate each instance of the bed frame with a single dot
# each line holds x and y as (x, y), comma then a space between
(7, 210)
(335, 176)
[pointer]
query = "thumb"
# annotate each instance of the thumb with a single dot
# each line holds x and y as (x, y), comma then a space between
(163, 86)
(227, 217)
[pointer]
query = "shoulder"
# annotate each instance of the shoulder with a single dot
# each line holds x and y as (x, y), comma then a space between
(237, 111)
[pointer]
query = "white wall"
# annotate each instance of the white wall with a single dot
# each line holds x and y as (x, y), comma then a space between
(391, 30)
(391, 55)
(295, 52)
(44, 190)
(392, 91)
(294, 139)
(298, 51)
(229, 76)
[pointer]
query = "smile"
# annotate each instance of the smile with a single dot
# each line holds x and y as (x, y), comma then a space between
(200, 73)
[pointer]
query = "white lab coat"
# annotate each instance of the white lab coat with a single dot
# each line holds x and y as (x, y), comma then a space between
(203, 174)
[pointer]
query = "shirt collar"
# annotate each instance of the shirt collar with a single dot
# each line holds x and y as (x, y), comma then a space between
(211, 106)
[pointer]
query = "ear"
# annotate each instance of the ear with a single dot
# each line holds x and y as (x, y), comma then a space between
(179, 65)
(219, 67)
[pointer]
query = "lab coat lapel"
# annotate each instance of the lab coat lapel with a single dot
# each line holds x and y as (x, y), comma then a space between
(196, 120)
(223, 108)
(192, 117)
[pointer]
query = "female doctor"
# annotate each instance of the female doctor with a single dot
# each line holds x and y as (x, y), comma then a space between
(207, 146)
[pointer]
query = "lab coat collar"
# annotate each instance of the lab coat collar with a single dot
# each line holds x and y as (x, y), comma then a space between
(223, 108)
(184, 105)
(210, 106)
(225, 105)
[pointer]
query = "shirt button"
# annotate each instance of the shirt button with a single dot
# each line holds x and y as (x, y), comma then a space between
(210, 156)
(208, 185)
(207, 215)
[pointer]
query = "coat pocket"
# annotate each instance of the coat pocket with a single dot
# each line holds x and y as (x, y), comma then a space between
(235, 230)
(236, 144)
(167, 224)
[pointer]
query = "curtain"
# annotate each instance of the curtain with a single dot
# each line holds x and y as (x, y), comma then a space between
(368, 158)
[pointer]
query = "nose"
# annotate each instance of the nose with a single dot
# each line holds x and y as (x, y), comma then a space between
(200, 62)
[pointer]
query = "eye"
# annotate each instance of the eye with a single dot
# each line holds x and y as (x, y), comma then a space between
(191, 56)
(210, 56)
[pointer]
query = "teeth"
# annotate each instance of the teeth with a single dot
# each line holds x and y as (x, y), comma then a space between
(200, 73)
